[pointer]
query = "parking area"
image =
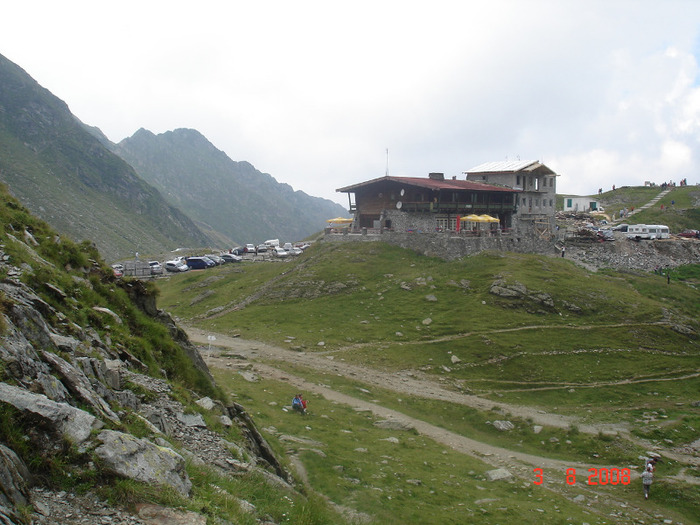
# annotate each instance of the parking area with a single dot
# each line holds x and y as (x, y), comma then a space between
(266, 252)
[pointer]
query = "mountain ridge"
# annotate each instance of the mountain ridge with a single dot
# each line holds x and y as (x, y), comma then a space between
(65, 175)
(232, 197)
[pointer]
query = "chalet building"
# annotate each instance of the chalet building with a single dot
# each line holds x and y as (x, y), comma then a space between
(427, 204)
(536, 186)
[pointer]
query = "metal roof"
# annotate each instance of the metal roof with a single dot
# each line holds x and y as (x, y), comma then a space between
(433, 184)
(505, 166)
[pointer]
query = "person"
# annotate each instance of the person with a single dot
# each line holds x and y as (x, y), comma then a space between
(563, 251)
(647, 479)
(299, 404)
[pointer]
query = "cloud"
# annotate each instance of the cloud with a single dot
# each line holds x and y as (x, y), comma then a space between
(314, 92)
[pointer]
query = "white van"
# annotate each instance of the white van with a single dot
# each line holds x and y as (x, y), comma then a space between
(647, 231)
(272, 243)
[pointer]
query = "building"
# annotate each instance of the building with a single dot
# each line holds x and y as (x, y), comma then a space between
(581, 204)
(536, 186)
(427, 204)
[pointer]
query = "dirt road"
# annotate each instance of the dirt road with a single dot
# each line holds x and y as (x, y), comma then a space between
(218, 351)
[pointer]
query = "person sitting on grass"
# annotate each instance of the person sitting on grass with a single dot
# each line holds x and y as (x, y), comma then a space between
(299, 404)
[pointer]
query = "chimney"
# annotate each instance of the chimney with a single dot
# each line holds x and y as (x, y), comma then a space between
(436, 176)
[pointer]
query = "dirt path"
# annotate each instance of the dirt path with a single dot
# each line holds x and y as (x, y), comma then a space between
(405, 382)
(218, 354)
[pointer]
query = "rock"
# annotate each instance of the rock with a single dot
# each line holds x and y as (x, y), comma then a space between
(225, 421)
(431, 298)
(14, 479)
(427, 321)
(393, 424)
(537, 429)
(580, 499)
(79, 385)
(503, 426)
(206, 403)
(498, 474)
(455, 359)
(251, 377)
(390, 440)
(141, 460)
(192, 420)
(109, 312)
(157, 515)
(73, 423)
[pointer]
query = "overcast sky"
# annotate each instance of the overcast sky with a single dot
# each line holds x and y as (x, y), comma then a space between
(315, 92)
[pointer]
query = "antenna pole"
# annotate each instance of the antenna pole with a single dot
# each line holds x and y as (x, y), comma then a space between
(387, 162)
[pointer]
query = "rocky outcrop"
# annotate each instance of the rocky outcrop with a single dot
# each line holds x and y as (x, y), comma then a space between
(141, 460)
(63, 383)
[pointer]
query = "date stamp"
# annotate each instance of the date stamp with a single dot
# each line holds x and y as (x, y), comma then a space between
(596, 476)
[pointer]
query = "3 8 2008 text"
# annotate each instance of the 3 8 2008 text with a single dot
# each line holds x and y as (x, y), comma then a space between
(596, 476)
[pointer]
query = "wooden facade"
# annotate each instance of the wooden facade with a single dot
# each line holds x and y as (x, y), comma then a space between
(427, 203)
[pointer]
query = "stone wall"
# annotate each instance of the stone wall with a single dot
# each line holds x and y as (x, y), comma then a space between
(450, 245)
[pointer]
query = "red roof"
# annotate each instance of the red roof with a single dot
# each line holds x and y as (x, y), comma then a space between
(432, 184)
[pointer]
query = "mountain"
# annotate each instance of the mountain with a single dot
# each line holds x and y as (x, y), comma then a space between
(228, 197)
(66, 176)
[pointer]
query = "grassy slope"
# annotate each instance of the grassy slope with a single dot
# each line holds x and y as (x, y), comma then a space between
(368, 302)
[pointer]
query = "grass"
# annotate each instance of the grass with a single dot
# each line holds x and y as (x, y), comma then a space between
(607, 346)
(395, 476)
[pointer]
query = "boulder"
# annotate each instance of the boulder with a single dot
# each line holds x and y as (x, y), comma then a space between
(73, 423)
(79, 385)
(503, 426)
(498, 474)
(14, 479)
(393, 424)
(141, 460)
(206, 403)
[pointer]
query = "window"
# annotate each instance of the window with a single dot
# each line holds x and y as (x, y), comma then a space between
(550, 203)
(517, 180)
(569, 203)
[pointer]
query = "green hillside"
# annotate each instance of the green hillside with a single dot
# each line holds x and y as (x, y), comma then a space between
(607, 349)
(681, 206)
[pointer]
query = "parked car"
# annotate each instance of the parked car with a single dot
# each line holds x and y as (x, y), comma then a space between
(216, 258)
(118, 270)
(287, 246)
(229, 257)
(176, 266)
(690, 234)
(250, 248)
(238, 250)
(209, 262)
(294, 251)
(198, 263)
(262, 248)
(280, 252)
(621, 227)
(272, 242)
(156, 268)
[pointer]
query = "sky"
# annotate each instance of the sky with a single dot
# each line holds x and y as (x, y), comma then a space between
(326, 94)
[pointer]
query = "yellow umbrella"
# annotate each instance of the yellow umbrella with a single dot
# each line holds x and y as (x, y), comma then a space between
(488, 218)
(340, 220)
(471, 218)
